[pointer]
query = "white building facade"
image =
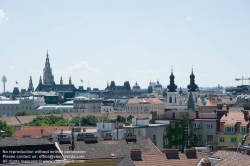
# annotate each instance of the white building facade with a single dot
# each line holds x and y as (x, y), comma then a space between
(10, 107)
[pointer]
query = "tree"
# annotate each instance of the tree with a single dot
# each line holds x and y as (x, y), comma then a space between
(176, 136)
(53, 112)
(90, 120)
(25, 113)
(164, 93)
(50, 120)
(8, 129)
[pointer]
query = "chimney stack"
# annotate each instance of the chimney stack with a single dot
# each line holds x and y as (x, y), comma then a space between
(135, 155)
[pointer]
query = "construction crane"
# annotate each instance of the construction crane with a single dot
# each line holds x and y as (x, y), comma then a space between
(243, 78)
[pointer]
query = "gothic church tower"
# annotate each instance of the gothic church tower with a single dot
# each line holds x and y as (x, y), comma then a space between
(48, 77)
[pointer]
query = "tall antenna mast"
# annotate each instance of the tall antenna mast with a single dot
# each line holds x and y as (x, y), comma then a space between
(4, 80)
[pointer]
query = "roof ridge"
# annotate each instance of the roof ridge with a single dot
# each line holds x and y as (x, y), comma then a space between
(18, 120)
(155, 146)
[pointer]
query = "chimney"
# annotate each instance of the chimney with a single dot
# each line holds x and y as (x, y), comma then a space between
(197, 114)
(173, 115)
(205, 163)
(172, 153)
(135, 155)
(191, 153)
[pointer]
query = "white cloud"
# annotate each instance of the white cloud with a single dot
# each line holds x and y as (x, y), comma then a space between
(188, 18)
(3, 17)
(150, 32)
(150, 71)
(83, 66)
(11, 68)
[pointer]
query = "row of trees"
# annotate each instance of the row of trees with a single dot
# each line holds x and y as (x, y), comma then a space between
(89, 120)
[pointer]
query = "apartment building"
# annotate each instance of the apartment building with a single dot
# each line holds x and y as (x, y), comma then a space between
(233, 126)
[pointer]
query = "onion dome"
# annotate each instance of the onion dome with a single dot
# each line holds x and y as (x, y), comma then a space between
(172, 87)
(158, 85)
(136, 86)
(192, 87)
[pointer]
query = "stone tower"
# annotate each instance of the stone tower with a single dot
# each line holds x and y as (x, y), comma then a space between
(171, 94)
(30, 88)
(48, 77)
(61, 81)
(193, 90)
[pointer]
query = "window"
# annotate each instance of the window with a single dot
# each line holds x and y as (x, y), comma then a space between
(197, 125)
(243, 129)
(209, 126)
(170, 99)
(195, 136)
(154, 137)
(200, 136)
(209, 137)
(222, 139)
(233, 140)
(229, 129)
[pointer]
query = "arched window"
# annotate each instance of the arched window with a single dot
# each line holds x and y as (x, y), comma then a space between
(196, 99)
(175, 99)
(170, 99)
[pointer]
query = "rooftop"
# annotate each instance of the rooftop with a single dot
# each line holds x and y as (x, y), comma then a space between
(232, 118)
(120, 148)
(23, 141)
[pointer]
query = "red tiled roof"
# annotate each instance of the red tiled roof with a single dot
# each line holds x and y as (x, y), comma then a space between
(199, 103)
(231, 158)
(210, 103)
(247, 141)
(25, 119)
(35, 131)
(12, 121)
(110, 116)
(162, 160)
(232, 118)
(150, 100)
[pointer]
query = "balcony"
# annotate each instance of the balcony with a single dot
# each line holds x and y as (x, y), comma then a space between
(130, 137)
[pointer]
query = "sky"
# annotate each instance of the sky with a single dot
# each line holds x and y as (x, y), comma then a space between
(100, 41)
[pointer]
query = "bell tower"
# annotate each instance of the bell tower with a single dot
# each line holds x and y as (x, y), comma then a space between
(48, 77)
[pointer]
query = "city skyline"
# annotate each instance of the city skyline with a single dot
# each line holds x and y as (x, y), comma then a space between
(137, 41)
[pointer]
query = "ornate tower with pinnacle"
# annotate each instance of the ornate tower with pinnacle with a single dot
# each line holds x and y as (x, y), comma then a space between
(172, 87)
(172, 93)
(30, 88)
(70, 82)
(193, 92)
(192, 87)
(61, 81)
(48, 77)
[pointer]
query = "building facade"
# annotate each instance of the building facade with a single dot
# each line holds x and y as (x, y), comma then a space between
(87, 105)
(10, 107)
(145, 105)
(233, 126)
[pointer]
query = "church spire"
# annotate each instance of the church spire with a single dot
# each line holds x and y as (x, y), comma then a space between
(40, 80)
(172, 87)
(192, 87)
(190, 104)
(70, 82)
(61, 81)
(30, 88)
(180, 91)
(48, 77)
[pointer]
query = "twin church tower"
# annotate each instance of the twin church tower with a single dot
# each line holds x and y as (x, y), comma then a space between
(175, 99)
